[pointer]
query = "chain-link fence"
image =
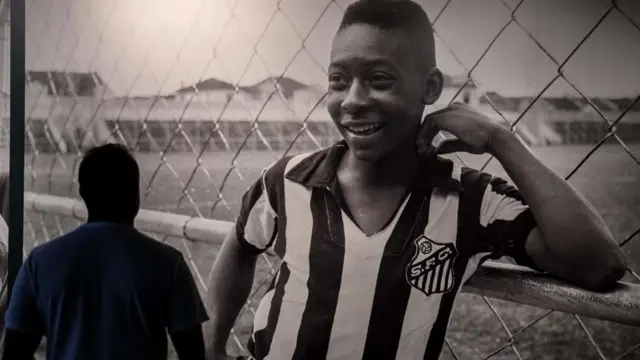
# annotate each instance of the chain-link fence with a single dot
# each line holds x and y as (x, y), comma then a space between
(208, 92)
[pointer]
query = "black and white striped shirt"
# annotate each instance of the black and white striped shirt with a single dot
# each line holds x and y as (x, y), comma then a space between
(340, 294)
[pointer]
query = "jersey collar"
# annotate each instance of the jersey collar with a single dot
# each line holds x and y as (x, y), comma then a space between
(319, 170)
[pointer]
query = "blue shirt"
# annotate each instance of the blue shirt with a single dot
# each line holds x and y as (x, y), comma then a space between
(105, 291)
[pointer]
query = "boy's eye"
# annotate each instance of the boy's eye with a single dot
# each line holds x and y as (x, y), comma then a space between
(337, 81)
(336, 78)
(380, 80)
(379, 77)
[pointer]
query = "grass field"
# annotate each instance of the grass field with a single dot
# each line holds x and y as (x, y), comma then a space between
(609, 179)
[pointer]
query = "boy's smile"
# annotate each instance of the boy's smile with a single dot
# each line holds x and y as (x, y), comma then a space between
(363, 132)
(363, 129)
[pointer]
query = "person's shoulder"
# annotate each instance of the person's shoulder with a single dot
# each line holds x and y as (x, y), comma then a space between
(476, 181)
(62, 239)
(280, 166)
(466, 175)
(276, 171)
(53, 246)
(154, 250)
(147, 248)
(469, 178)
(153, 244)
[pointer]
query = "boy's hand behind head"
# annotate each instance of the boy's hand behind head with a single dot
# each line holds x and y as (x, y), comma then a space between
(473, 131)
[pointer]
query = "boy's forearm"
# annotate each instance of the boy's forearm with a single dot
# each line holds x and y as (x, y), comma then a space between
(548, 195)
(229, 286)
(572, 229)
(225, 303)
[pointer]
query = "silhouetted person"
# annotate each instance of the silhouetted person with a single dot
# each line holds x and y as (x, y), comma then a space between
(105, 290)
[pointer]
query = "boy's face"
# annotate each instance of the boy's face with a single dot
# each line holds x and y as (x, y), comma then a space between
(376, 92)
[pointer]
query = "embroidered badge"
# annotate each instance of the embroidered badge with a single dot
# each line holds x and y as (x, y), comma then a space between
(431, 269)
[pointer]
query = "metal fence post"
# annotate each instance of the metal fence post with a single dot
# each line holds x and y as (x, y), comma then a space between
(16, 139)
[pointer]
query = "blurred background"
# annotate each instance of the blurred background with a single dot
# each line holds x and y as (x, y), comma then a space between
(208, 92)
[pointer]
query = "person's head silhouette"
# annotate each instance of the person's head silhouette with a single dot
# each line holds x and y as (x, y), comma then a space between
(109, 179)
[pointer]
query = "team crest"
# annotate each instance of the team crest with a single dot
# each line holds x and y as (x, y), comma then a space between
(431, 269)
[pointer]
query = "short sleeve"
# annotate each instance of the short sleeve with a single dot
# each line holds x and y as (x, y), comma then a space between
(23, 313)
(256, 225)
(506, 222)
(185, 304)
(4, 232)
(4, 245)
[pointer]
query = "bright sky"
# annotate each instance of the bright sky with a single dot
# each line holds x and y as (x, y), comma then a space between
(144, 47)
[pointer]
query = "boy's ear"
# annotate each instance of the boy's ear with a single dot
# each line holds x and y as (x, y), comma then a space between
(433, 87)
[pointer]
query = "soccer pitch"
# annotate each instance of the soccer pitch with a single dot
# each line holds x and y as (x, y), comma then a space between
(609, 179)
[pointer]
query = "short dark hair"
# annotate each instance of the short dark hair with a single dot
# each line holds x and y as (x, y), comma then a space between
(109, 178)
(405, 16)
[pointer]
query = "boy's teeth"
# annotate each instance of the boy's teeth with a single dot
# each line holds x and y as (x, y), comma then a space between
(365, 128)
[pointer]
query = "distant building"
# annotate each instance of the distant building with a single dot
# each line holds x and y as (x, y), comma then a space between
(68, 83)
(209, 90)
(218, 91)
(64, 106)
(562, 104)
(285, 86)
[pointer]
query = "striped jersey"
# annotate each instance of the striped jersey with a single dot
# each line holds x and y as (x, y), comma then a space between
(340, 294)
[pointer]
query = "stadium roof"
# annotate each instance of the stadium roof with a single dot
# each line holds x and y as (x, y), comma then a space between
(207, 85)
(572, 104)
(67, 83)
(70, 84)
(287, 86)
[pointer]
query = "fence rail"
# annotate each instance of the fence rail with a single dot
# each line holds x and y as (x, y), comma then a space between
(496, 280)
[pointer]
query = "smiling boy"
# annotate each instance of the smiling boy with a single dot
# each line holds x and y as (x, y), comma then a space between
(376, 239)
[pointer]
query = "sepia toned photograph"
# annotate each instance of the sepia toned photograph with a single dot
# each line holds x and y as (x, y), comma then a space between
(320, 179)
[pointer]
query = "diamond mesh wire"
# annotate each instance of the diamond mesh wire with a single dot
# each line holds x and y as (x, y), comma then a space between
(92, 79)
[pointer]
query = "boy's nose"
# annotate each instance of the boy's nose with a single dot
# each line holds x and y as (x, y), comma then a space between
(356, 99)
